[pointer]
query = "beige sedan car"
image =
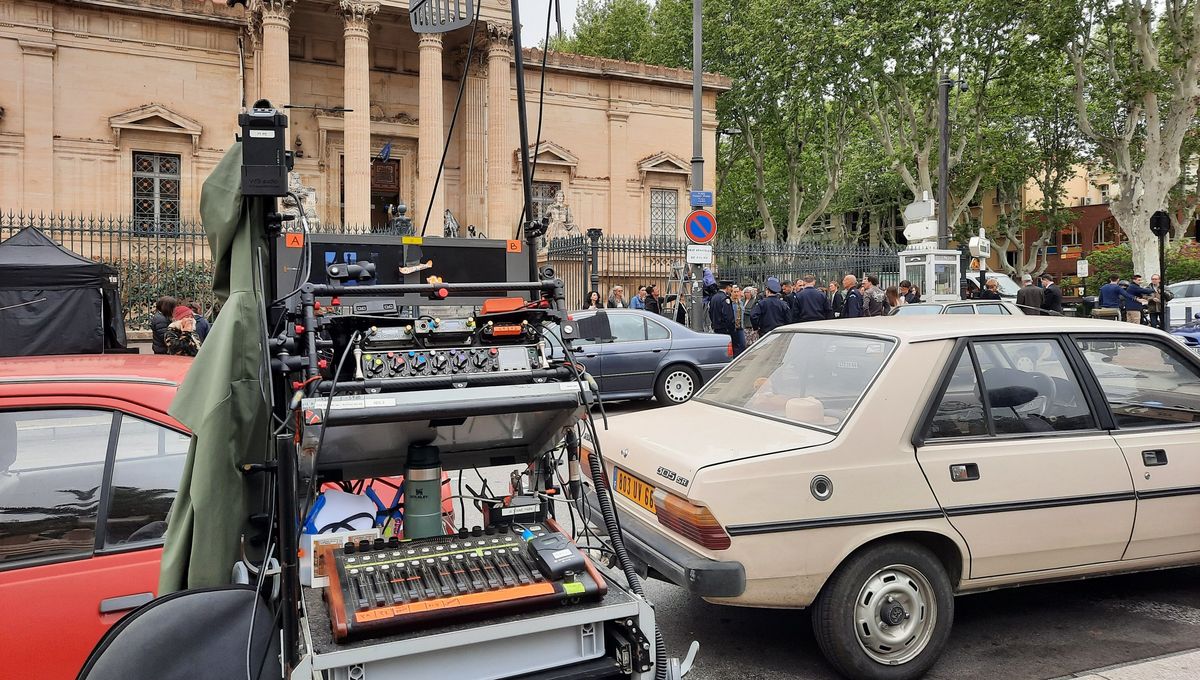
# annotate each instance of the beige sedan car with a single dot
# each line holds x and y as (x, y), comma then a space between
(872, 469)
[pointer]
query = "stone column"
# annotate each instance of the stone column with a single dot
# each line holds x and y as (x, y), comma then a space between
(275, 78)
(356, 178)
(430, 199)
(473, 161)
(501, 222)
(37, 62)
(620, 169)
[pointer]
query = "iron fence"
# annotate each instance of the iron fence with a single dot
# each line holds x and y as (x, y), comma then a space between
(596, 262)
(174, 259)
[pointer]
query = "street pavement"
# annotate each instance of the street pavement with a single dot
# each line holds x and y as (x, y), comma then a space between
(1029, 633)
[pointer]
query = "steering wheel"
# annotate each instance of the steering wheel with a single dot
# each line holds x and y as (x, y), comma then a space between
(1047, 391)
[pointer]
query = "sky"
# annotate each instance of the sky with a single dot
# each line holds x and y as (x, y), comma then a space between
(533, 20)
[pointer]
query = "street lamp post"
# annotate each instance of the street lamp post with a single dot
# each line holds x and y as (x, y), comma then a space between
(1160, 224)
(943, 193)
(943, 190)
(694, 303)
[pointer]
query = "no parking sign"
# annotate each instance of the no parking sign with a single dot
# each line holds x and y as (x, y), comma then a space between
(700, 227)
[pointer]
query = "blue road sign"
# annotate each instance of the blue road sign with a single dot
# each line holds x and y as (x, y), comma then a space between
(702, 199)
(700, 227)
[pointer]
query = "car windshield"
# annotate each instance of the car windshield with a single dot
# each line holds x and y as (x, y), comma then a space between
(811, 379)
(917, 310)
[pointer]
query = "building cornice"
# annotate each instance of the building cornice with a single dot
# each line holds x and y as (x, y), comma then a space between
(216, 14)
(599, 67)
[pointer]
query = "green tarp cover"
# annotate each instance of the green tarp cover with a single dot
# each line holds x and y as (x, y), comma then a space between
(224, 399)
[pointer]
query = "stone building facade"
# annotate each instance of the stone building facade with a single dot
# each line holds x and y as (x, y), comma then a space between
(124, 108)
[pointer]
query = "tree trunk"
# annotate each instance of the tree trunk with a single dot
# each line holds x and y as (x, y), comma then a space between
(874, 228)
(1144, 245)
(760, 188)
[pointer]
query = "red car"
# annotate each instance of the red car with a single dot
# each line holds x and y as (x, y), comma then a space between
(89, 465)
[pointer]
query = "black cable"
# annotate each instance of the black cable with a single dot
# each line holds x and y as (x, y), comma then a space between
(612, 522)
(462, 503)
(305, 269)
(321, 440)
(462, 86)
(537, 138)
(262, 573)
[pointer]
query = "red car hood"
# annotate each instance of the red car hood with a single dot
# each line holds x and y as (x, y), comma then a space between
(682, 439)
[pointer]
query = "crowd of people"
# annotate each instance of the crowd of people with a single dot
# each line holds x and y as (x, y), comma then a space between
(744, 314)
(1133, 302)
(177, 327)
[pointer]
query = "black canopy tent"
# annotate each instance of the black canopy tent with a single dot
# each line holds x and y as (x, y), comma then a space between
(54, 301)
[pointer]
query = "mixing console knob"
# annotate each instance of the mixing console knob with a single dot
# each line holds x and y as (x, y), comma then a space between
(476, 531)
(374, 365)
(397, 364)
(364, 546)
(459, 361)
(479, 357)
(439, 361)
(419, 363)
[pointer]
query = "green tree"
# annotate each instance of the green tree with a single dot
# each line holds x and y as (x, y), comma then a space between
(616, 29)
(1042, 149)
(1137, 78)
(905, 47)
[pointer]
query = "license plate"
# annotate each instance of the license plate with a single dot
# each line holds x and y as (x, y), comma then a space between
(635, 489)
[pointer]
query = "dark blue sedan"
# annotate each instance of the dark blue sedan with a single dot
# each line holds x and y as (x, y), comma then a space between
(1189, 334)
(634, 354)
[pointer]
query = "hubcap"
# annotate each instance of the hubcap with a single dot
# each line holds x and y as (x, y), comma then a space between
(895, 614)
(680, 386)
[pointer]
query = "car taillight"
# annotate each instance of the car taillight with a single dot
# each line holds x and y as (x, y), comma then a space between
(729, 350)
(693, 522)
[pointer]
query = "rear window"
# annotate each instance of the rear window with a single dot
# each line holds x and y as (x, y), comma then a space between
(914, 310)
(811, 379)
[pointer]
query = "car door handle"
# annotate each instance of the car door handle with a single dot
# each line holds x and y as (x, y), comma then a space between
(656, 351)
(964, 472)
(124, 602)
(1153, 457)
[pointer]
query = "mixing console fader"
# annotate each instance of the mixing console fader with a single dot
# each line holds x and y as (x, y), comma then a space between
(390, 585)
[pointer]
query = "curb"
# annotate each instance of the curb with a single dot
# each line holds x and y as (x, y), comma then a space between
(1133, 668)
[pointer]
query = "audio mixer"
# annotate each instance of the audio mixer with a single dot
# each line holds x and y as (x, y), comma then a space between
(449, 361)
(392, 585)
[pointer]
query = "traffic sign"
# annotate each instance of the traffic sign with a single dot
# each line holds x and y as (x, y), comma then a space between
(699, 254)
(700, 227)
(702, 199)
(920, 210)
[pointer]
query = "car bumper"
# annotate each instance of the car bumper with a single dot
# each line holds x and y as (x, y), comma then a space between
(659, 558)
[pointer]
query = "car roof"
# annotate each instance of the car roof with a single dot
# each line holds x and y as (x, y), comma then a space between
(92, 368)
(942, 327)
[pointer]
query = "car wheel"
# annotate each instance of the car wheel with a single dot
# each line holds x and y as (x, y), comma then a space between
(676, 384)
(885, 614)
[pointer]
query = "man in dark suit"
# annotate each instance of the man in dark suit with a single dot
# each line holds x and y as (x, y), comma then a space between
(1051, 296)
(1030, 297)
(853, 307)
(836, 299)
(812, 304)
(721, 313)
